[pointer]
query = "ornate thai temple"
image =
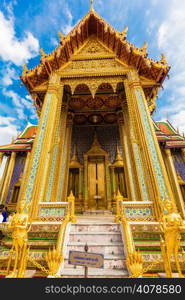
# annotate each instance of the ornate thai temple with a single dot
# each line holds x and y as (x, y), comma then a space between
(97, 169)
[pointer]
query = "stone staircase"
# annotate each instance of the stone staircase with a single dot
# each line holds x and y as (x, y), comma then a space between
(102, 236)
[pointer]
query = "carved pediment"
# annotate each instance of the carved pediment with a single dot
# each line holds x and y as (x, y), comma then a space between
(93, 57)
(94, 48)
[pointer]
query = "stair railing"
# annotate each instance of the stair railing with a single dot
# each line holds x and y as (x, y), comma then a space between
(55, 256)
(134, 260)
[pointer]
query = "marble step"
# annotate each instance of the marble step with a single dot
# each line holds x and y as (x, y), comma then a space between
(98, 212)
(97, 227)
(95, 273)
(101, 247)
(95, 219)
(112, 237)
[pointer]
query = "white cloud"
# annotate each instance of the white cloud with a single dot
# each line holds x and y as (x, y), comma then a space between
(8, 75)
(171, 41)
(21, 104)
(7, 130)
(13, 49)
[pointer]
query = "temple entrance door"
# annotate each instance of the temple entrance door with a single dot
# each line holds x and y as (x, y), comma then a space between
(96, 183)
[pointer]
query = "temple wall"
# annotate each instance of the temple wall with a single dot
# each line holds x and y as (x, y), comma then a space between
(18, 169)
(179, 163)
(108, 137)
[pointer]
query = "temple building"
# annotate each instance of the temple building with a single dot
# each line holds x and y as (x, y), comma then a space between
(96, 140)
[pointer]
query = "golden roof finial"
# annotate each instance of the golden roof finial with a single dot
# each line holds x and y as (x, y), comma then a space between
(25, 70)
(163, 59)
(124, 32)
(62, 37)
(144, 48)
(91, 5)
(42, 53)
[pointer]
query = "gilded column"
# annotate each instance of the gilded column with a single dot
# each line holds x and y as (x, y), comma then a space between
(143, 126)
(53, 152)
(64, 171)
(85, 183)
(130, 181)
(41, 146)
(109, 198)
(8, 177)
(62, 134)
(24, 173)
(3, 178)
(113, 182)
(80, 184)
(174, 181)
(67, 160)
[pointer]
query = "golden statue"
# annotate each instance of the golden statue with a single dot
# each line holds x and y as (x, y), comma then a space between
(19, 227)
(171, 225)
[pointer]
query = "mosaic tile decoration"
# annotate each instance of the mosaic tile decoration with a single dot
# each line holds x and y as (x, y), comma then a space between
(62, 171)
(132, 212)
(140, 173)
(52, 173)
(36, 158)
(151, 144)
(18, 169)
(52, 212)
(133, 192)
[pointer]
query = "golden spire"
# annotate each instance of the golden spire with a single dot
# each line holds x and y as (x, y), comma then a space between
(163, 59)
(144, 48)
(25, 70)
(91, 5)
(124, 32)
(42, 53)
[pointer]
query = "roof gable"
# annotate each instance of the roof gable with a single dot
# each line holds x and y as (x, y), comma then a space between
(93, 24)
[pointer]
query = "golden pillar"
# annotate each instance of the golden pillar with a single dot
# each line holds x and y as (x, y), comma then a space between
(62, 134)
(62, 183)
(4, 176)
(85, 182)
(42, 145)
(67, 157)
(174, 181)
(80, 195)
(8, 177)
(113, 182)
(108, 185)
(157, 178)
(24, 173)
(131, 185)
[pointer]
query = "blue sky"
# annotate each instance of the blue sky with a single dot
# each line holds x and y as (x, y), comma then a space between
(27, 26)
